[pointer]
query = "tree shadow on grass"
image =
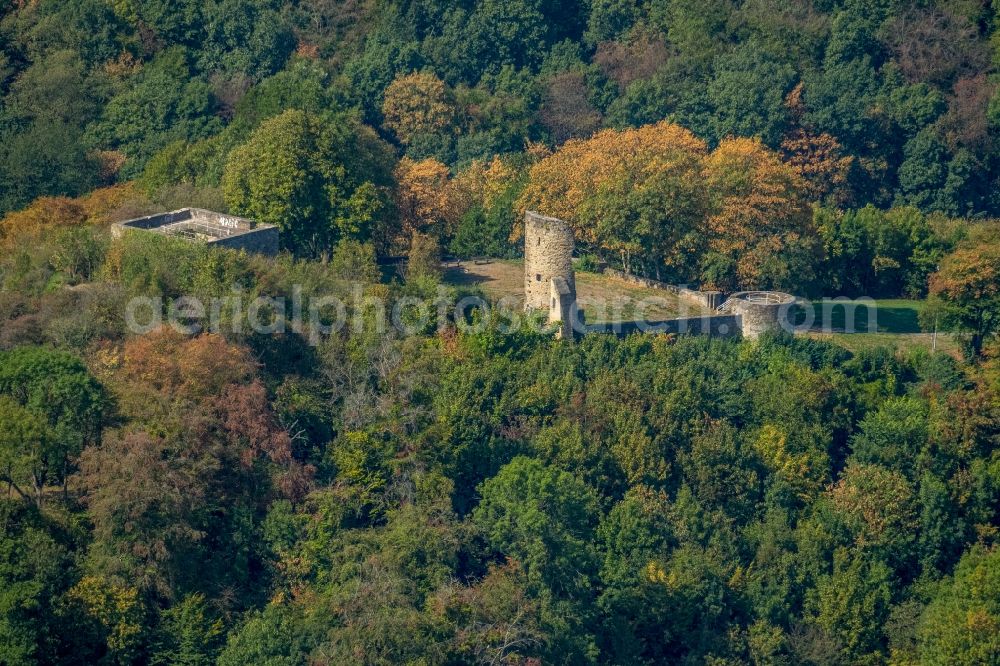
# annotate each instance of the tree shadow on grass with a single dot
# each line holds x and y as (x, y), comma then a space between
(900, 318)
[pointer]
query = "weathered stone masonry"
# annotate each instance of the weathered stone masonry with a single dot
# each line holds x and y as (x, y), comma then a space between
(548, 254)
(549, 284)
(714, 325)
(208, 227)
(549, 280)
(760, 311)
(705, 299)
(562, 308)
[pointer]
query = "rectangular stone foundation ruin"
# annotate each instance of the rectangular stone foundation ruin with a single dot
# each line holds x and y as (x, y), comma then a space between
(207, 227)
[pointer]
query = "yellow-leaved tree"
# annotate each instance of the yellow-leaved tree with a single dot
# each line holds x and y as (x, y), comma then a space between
(760, 228)
(636, 194)
(417, 104)
(820, 160)
(44, 214)
(482, 183)
(424, 197)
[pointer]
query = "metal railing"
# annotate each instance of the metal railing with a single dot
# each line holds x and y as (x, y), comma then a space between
(755, 297)
(763, 297)
(188, 229)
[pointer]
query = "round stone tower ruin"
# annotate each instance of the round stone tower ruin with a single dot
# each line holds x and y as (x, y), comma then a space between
(548, 255)
(549, 283)
(760, 311)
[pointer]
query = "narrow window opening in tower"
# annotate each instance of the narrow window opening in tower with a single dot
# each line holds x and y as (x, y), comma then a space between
(538, 277)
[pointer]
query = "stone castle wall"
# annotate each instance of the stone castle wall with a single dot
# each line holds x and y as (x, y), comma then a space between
(548, 254)
(262, 240)
(718, 326)
(549, 284)
(705, 299)
(152, 221)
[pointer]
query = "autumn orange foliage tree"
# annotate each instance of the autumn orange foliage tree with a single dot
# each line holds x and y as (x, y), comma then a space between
(167, 364)
(43, 213)
(201, 441)
(482, 183)
(163, 373)
(432, 203)
(635, 193)
(760, 228)
(968, 282)
(820, 160)
(424, 197)
(656, 200)
(101, 206)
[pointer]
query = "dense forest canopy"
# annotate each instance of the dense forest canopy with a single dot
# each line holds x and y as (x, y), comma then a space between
(849, 104)
(470, 495)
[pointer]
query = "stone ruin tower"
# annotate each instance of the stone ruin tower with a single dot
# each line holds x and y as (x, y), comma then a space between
(549, 282)
(760, 311)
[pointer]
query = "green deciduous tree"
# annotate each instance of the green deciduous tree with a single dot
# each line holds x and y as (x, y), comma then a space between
(545, 519)
(848, 607)
(165, 102)
(838, 100)
(610, 19)
(53, 407)
(42, 120)
(962, 623)
(747, 93)
(244, 38)
(892, 436)
(189, 635)
(36, 568)
(319, 178)
(26, 450)
(968, 281)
